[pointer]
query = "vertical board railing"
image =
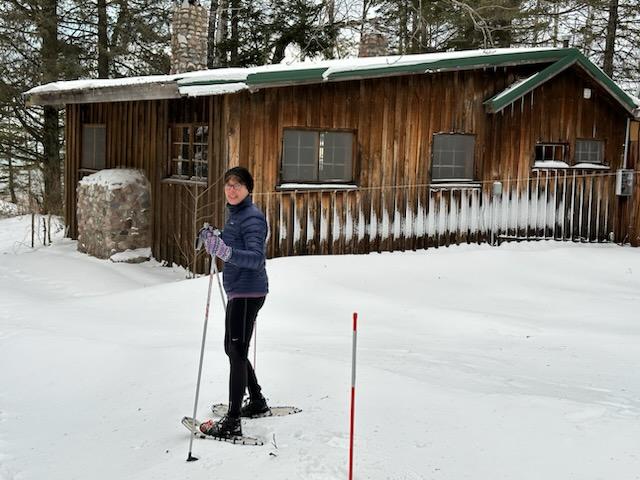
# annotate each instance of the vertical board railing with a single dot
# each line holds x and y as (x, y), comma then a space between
(551, 204)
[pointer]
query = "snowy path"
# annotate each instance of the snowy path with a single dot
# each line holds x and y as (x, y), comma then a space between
(517, 362)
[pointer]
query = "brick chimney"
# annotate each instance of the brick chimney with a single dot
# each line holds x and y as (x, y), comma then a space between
(189, 36)
(373, 44)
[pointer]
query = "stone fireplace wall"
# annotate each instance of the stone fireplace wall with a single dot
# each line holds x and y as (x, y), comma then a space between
(189, 37)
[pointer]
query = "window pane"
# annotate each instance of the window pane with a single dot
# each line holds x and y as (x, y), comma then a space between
(87, 147)
(93, 147)
(201, 134)
(299, 156)
(100, 139)
(184, 152)
(185, 134)
(452, 157)
(589, 151)
(200, 161)
(336, 156)
(550, 151)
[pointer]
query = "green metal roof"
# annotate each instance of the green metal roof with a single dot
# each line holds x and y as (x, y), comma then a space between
(552, 61)
(306, 75)
(459, 63)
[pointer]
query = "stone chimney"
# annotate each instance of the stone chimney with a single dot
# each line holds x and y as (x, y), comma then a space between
(373, 45)
(189, 37)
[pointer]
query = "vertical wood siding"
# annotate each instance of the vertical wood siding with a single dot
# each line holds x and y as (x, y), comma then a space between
(137, 137)
(395, 206)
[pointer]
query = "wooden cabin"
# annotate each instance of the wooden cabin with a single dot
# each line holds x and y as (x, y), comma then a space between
(370, 154)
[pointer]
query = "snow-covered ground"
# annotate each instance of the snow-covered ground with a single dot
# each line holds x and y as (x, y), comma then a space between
(517, 362)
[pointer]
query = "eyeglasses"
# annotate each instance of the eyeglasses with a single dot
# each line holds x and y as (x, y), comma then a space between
(233, 186)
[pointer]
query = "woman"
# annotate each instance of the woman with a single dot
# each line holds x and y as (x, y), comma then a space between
(242, 247)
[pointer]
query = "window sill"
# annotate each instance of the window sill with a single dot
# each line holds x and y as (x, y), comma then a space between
(591, 166)
(454, 185)
(562, 165)
(184, 181)
(292, 187)
(549, 164)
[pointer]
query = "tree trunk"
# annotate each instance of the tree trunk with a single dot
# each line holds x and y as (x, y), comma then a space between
(610, 44)
(48, 30)
(556, 23)
(11, 179)
(403, 47)
(103, 47)
(235, 41)
(330, 51)
(220, 57)
(211, 34)
(415, 28)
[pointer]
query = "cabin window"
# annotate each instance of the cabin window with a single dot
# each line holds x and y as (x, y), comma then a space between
(589, 151)
(94, 140)
(452, 157)
(314, 156)
(189, 154)
(550, 152)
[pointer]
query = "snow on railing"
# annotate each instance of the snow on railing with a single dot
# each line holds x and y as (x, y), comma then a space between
(551, 204)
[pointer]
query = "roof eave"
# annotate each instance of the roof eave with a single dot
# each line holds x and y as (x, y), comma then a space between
(608, 84)
(499, 101)
(146, 91)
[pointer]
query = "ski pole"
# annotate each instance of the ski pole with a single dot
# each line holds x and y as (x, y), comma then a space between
(224, 302)
(213, 270)
(353, 391)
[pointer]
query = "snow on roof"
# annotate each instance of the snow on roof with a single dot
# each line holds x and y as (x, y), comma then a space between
(114, 178)
(513, 86)
(236, 75)
(408, 60)
(215, 89)
(231, 80)
(64, 86)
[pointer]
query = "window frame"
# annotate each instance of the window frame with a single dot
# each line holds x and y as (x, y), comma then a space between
(444, 181)
(317, 161)
(175, 140)
(564, 146)
(602, 145)
(96, 127)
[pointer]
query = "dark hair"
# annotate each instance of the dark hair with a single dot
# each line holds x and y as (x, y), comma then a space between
(242, 174)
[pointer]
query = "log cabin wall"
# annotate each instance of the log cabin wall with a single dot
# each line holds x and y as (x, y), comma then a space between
(137, 136)
(395, 207)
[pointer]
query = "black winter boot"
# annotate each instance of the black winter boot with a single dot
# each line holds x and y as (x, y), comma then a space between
(254, 407)
(226, 427)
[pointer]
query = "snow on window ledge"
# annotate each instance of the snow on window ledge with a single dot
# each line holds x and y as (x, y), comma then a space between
(454, 185)
(550, 164)
(581, 166)
(184, 180)
(591, 166)
(316, 186)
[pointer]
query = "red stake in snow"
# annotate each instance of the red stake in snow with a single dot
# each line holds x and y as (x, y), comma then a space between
(353, 392)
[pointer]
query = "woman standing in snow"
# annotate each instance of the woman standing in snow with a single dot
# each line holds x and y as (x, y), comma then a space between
(242, 247)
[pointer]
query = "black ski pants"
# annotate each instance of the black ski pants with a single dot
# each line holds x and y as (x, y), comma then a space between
(239, 322)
